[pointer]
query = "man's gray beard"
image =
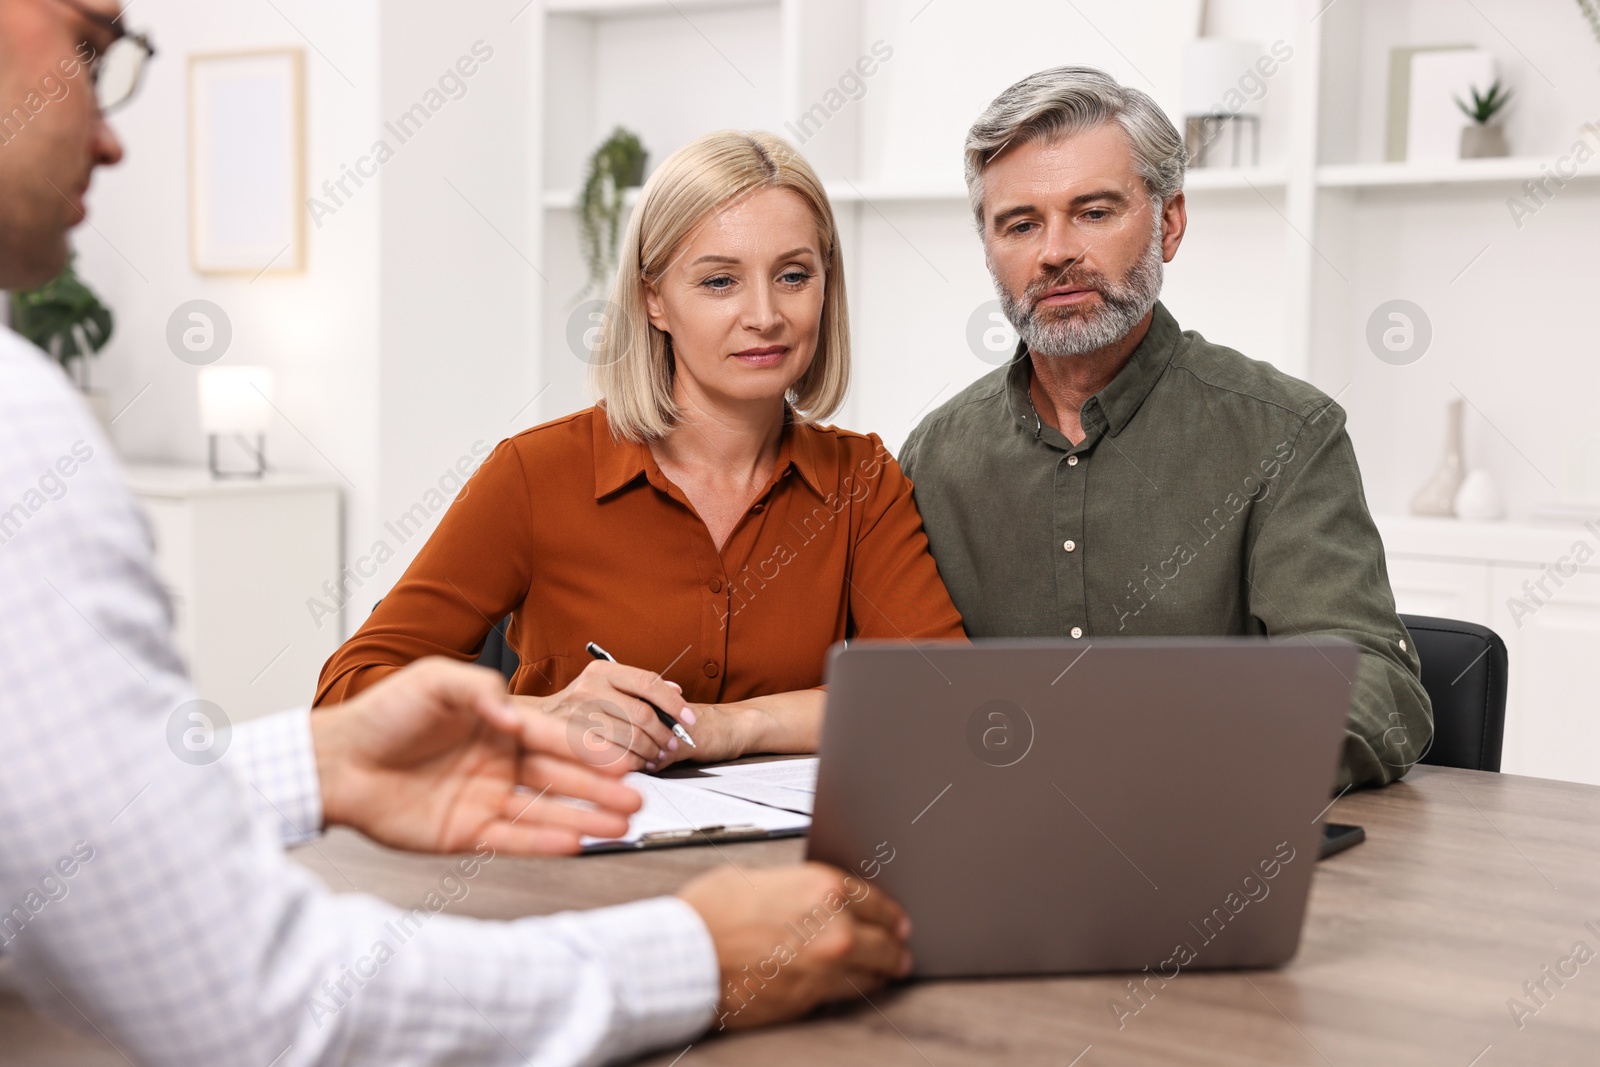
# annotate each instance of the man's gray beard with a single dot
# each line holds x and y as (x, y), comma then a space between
(1066, 331)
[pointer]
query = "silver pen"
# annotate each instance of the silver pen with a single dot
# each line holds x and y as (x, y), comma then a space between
(666, 720)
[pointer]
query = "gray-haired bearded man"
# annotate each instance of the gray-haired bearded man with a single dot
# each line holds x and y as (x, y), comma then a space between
(1121, 476)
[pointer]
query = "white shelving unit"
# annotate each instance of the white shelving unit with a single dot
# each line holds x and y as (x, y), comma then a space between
(1286, 261)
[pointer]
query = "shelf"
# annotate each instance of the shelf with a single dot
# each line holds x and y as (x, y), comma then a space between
(839, 192)
(567, 199)
(1447, 172)
(1223, 179)
(618, 8)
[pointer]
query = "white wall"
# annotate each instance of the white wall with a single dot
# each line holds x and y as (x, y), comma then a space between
(406, 340)
(413, 334)
(458, 299)
(318, 331)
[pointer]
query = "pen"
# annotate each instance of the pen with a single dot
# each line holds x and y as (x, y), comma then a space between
(666, 720)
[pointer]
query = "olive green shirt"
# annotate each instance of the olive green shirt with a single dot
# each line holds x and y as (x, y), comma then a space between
(1211, 495)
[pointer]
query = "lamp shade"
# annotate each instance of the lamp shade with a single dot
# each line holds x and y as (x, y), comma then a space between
(235, 399)
(1219, 75)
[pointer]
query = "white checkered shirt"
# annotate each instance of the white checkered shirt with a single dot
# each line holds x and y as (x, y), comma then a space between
(149, 898)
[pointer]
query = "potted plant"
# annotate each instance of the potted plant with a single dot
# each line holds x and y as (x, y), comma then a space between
(1591, 11)
(616, 165)
(1481, 140)
(66, 319)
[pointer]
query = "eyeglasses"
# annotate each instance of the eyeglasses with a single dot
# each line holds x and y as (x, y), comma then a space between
(116, 71)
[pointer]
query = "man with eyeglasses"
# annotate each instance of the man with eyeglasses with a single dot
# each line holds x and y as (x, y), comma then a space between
(148, 900)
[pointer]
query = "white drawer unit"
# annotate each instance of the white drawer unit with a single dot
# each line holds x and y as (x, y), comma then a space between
(240, 558)
(1538, 587)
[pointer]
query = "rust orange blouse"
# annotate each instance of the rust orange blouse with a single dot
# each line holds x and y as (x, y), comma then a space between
(579, 538)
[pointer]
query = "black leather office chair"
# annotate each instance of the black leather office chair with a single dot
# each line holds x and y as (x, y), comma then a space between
(1464, 671)
(497, 654)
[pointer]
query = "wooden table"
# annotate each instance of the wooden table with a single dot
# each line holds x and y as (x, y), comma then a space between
(1468, 885)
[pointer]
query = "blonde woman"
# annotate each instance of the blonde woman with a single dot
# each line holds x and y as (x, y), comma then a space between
(698, 523)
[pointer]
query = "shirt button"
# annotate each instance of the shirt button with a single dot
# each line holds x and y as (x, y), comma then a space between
(712, 670)
(716, 585)
(1070, 546)
(1402, 644)
(1072, 461)
(1077, 632)
(759, 508)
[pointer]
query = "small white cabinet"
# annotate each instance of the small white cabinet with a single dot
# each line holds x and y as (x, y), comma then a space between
(1522, 581)
(1437, 587)
(240, 558)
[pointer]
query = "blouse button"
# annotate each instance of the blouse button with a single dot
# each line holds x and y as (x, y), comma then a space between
(716, 585)
(712, 670)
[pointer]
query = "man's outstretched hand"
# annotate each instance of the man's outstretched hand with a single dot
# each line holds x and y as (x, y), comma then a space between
(429, 759)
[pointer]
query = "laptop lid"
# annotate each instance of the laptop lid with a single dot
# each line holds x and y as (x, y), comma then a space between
(1054, 806)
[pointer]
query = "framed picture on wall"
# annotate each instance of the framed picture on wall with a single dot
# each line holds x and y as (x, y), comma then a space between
(247, 185)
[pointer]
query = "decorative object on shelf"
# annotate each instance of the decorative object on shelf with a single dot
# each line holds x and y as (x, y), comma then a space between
(247, 173)
(1481, 140)
(1217, 106)
(1438, 496)
(1479, 498)
(616, 165)
(1438, 77)
(236, 401)
(1397, 132)
(66, 319)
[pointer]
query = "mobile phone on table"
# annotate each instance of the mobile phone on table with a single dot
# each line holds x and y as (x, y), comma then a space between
(1338, 836)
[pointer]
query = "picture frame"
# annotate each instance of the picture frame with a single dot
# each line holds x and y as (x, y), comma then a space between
(247, 183)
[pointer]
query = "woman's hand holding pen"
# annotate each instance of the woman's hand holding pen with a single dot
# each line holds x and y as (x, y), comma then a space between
(610, 718)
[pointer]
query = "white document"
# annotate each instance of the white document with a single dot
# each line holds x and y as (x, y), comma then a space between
(792, 773)
(748, 788)
(672, 806)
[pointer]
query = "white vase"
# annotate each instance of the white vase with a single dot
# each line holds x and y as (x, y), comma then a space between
(1478, 498)
(1438, 496)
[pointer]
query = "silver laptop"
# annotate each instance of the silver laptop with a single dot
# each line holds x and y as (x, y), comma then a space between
(1049, 806)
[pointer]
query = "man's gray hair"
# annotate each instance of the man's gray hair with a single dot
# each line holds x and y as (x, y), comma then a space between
(1063, 101)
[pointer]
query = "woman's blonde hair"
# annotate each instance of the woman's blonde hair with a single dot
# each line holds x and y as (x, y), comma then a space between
(632, 361)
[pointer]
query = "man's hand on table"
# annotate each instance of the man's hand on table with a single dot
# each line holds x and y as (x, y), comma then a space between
(851, 939)
(429, 759)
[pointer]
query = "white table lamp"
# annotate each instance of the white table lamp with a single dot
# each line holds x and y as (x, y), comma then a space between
(1222, 92)
(236, 401)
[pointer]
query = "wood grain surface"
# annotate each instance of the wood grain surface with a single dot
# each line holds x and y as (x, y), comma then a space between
(1416, 945)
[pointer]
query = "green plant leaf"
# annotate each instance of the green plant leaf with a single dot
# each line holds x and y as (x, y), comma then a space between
(63, 317)
(612, 167)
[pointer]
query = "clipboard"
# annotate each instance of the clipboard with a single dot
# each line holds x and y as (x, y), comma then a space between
(676, 812)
